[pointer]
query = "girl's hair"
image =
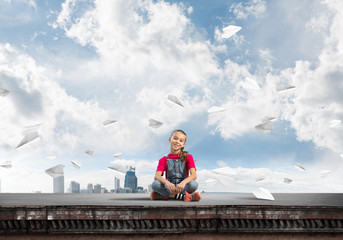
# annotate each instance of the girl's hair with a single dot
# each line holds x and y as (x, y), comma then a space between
(183, 154)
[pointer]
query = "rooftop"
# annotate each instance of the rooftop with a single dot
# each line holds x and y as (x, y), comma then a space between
(135, 214)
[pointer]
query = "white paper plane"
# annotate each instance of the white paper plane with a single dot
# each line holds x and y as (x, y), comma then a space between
(108, 122)
(175, 100)
(267, 118)
(250, 84)
(76, 164)
(324, 173)
(32, 128)
(287, 180)
(215, 109)
(265, 127)
(263, 193)
(334, 123)
(4, 92)
(118, 168)
(225, 172)
(341, 155)
(284, 87)
(28, 137)
(89, 152)
(7, 164)
(258, 179)
(55, 171)
(230, 30)
(299, 167)
(117, 155)
(210, 182)
(51, 155)
(154, 123)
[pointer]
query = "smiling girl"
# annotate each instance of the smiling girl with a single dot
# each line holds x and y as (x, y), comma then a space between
(179, 181)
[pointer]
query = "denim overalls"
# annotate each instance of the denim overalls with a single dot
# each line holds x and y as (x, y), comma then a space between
(176, 173)
(176, 170)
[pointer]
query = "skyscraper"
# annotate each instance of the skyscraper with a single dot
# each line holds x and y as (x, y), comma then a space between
(90, 188)
(97, 188)
(58, 184)
(74, 187)
(131, 179)
(116, 184)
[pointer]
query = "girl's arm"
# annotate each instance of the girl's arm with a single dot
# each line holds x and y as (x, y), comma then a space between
(170, 186)
(192, 176)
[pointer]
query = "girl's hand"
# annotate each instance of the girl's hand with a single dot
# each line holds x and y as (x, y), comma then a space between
(171, 187)
(180, 187)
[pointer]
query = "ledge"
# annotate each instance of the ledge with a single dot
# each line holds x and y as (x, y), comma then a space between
(137, 214)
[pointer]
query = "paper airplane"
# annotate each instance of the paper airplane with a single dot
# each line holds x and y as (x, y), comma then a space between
(341, 155)
(55, 171)
(287, 180)
(210, 182)
(121, 169)
(334, 123)
(266, 119)
(117, 155)
(76, 164)
(28, 137)
(4, 92)
(258, 179)
(51, 155)
(7, 164)
(265, 127)
(32, 128)
(225, 172)
(284, 87)
(250, 83)
(263, 193)
(108, 122)
(214, 109)
(89, 152)
(299, 167)
(230, 30)
(324, 173)
(154, 123)
(175, 100)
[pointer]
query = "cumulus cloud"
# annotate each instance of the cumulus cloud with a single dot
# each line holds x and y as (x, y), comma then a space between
(143, 51)
(243, 10)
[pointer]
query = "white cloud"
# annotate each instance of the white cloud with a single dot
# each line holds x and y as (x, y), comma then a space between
(243, 10)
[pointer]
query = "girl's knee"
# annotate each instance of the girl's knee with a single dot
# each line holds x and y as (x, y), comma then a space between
(156, 185)
(192, 186)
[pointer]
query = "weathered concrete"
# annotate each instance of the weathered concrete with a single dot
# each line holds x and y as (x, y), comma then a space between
(132, 214)
(209, 199)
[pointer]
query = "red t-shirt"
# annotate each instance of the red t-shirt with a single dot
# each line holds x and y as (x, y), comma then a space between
(162, 163)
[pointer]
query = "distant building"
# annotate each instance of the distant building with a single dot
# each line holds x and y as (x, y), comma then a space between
(140, 190)
(84, 191)
(125, 190)
(58, 184)
(97, 188)
(104, 190)
(116, 184)
(74, 187)
(90, 188)
(131, 179)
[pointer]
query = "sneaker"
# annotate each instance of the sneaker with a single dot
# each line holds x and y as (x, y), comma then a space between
(192, 197)
(157, 196)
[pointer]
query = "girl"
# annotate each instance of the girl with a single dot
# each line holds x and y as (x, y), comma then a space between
(179, 182)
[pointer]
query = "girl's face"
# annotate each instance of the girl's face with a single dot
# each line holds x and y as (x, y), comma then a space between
(177, 141)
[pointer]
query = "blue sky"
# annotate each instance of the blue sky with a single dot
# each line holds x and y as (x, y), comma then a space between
(71, 65)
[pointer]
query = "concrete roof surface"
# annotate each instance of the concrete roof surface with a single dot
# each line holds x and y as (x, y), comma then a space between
(142, 199)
